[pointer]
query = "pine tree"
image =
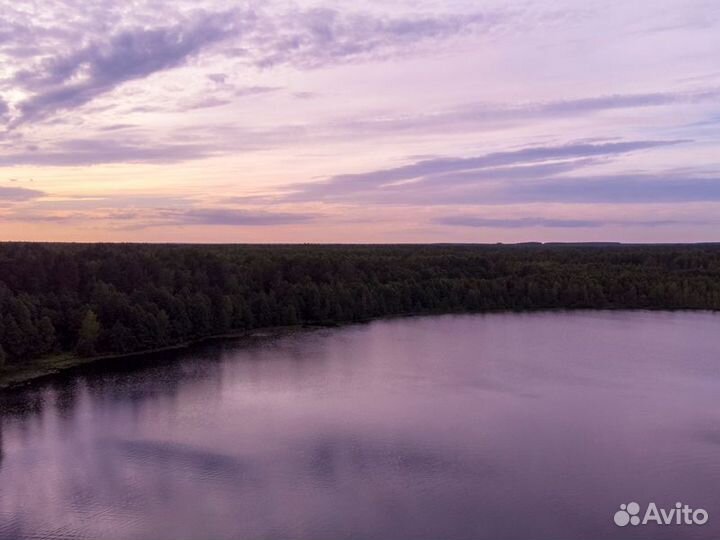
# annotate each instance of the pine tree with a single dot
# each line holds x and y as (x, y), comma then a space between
(88, 334)
(46, 335)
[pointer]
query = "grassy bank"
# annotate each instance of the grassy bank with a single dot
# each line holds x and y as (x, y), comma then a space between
(13, 376)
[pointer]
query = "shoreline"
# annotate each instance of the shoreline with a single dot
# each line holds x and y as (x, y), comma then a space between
(51, 366)
(44, 368)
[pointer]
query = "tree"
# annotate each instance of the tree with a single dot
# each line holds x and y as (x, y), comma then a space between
(88, 334)
(114, 299)
(46, 335)
(120, 339)
(3, 357)
(289, 315)
(15, 339)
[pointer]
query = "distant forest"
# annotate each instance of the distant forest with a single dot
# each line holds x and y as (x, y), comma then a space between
(104, 299)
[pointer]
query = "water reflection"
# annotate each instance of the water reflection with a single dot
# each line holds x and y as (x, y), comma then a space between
(503, 426)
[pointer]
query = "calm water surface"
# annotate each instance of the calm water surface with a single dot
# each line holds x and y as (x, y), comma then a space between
(516, 426)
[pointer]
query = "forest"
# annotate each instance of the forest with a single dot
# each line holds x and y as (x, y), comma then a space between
(111, 299)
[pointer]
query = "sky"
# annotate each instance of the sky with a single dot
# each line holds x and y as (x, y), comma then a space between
(369, 121)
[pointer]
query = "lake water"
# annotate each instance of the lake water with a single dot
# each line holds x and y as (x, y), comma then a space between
(502, 426)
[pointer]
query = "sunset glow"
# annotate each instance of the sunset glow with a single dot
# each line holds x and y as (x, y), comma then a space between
(328, 121)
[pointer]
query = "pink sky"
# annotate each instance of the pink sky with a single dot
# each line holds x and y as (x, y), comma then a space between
(328, 121)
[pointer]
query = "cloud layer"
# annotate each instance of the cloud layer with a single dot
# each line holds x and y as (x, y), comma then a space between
(72, 79)
(307, 38)
(14, 194)
(523, 223)
(522, 175)
(377, 121)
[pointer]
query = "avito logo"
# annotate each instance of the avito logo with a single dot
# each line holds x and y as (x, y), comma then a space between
(629, 514)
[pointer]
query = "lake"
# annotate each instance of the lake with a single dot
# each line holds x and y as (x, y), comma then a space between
(500, 426)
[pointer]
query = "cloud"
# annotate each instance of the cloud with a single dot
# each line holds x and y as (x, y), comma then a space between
(15, 194)
(521, 223)
(472, 116)
(218, 78)
(222, 139)
(236, 217)
(63, 79)
(117, 127)
(316, 37)
(26, 217)
(255, 90)
(138, 145)
(545, 174)
(207, 102)
(141, 213)
(305, 95)
(445, 173)
(73, 79)
(78, 152)
(620, 188)
(620, 101)
(617, 189)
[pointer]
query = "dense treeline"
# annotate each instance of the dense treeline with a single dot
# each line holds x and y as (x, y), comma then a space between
(107, 299)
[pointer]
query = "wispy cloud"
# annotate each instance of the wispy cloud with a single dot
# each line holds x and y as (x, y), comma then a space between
(234, 217)
(619, 188)
(15, 194)
(321, 36)
(478, 116)
(77, 152)
(259, 114)
(524, 223)
(549, 174)
(137, 217)
(444, 174)
(208, 102)
(305, 38)
(674, 188)
(72, 79)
